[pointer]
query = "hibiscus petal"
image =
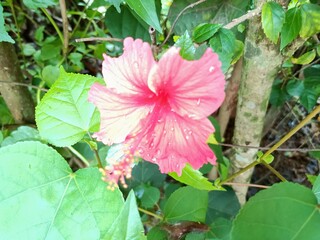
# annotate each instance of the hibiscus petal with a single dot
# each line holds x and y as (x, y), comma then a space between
(119, 114)
(129, 72)
(196, 88)
(175, 141)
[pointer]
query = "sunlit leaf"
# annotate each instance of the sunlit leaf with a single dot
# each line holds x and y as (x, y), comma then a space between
(64, 114)
(310, 16)
(316, 188)
(187, 49)
(305, 58)
(43, 199)
(23, 133)
(4, 36)
(204, 31)
(272, 18)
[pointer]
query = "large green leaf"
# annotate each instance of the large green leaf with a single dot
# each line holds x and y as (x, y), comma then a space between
(64, 114)
(4, 36)
(310, 14)
(193, 178)
(146, 10)
(272, 20)
(285, 211)
(124, 24)
(210, 11)
(99, 3)
(186, 204)
(34, 4)
(128, 225)
(41, 198)
(205, 31)
(291, 27)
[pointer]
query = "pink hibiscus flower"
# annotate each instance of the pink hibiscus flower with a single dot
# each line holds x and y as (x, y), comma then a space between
(157, 110)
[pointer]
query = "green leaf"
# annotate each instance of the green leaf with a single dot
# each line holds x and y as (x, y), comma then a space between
(64, 114)
(187, 49)
(224, 43)
(49, 51)
(124, 24)
(23, 133)
(5, 115)
(210, 11)
(291, 27)
(4, 36)
(315, 154)
(128, 224)
(278, 94)
(99, 3)
(157, 233)
(43, 199)
(195, 236)
(310, 15)
(238, 51)
(269, 159)
(146, 9)
(272, 18)
(220, 228)
(186, 204)
(284, 211)
(148, 195)
(34, 4)
(222, 204)
(316, 189)
(204, 31)
(193, 178)
(304, 59)
(28, 49)
(1, 137)
(309, 98)
(295, 87)
(50, 74)
(146, 173)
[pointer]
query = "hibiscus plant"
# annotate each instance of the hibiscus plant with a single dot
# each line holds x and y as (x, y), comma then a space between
(134, 149)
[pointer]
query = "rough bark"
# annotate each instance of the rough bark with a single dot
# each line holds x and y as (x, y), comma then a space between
(17, 98)
(262, 61)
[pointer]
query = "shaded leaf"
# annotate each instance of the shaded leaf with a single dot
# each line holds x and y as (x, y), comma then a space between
(278, 94)
(64, 114)
(222, 204)
(309, 98)
(295, 87)
(23, 133)
(124, 24)
(272, 18)
(316, 189)
(204, 31)
(43, 199)
(148, 195)
(50, 74)
(128, 224)
(156, 233)
(284, 211)
(220, 228)
(210, 11)
(291, 27)
(146, 10)
(193, 178)
(186, 204)
(310, 16)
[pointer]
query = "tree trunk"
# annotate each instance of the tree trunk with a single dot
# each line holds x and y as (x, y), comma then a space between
(17, 98)
(262, 60)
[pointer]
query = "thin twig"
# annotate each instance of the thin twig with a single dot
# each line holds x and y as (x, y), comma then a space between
(267, 148)
(53, 24)
(248, 15)
(91, 39)
(65, 26)
(246, 184)
(177, 18)
(25, 85)
(79, 155)
(153, 36)
(150, 213)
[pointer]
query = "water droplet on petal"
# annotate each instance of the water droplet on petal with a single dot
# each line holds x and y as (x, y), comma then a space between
(184, 129)
(187, 137)
(211, 69)
(191, 115)
(151, 144)
(158, 152)
(165, 131)
(172, 110)
(154, 159)
(198, 102)
(136, 65)
(190, 132)
(172, 129)
(140, 151)
(159, 120)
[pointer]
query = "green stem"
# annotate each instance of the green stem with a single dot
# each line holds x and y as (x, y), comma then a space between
(251, 165)
(79, 155)
(42, 83)
(98, 158)
(275, 172)
(150, 213)
(53, 24)
(292, 132)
